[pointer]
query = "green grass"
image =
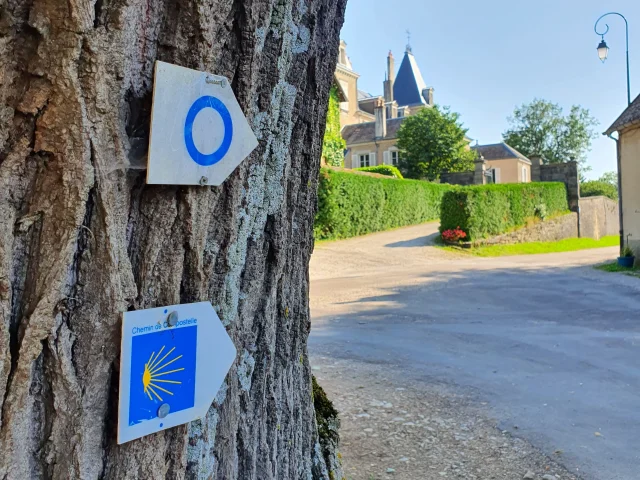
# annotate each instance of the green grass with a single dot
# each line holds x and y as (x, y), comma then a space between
(614, 267)
(534, 248)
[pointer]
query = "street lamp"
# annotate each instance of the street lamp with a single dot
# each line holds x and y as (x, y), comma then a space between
(603, 49)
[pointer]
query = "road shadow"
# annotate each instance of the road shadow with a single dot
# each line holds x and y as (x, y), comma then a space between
(552, 349)
(568, 296)
(424, 241)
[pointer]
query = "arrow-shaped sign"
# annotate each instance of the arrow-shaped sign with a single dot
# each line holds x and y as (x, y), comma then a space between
(199, 134)
(173, 361)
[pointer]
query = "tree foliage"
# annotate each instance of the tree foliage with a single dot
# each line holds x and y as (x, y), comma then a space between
(333, 145)
(541, 128)
(595, 188)
(431, 142)
(606, 185)
(611, 178)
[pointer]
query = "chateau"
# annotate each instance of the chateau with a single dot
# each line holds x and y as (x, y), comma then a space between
(370, 123)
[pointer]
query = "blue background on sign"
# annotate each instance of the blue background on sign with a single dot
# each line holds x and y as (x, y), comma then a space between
(216, 104)
(163, 372)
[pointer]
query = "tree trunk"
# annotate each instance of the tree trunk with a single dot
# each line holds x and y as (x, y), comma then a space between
(83, 239)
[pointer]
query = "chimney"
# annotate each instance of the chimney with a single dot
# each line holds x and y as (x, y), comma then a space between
(392, 109)
(342, 57)
(390, 79)
(381, 118)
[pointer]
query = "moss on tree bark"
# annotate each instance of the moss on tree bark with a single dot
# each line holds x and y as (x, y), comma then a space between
(83, 239)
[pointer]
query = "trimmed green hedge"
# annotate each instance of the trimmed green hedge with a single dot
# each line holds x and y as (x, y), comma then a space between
(596, 188)
(388, 170)
(351, 204)
(486, 210)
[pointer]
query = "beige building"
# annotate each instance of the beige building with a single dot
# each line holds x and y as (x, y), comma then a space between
(369, 123)
(372, 143)
(628, 128)
(504, 163)
(347, 80)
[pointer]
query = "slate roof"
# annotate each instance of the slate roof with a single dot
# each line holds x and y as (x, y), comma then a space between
(409, 84)
(366, 132)
(629, 117)
(363, 95)
(499, 151)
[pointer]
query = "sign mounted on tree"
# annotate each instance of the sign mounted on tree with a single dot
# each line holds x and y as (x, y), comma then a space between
(172, 363)
(199, 134)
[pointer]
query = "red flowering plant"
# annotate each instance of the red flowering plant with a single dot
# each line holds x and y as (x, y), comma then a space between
(454, 235)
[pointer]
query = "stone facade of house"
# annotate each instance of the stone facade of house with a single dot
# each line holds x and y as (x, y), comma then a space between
(628, 128)
(347, 78)
(497, 163)
(505, 163)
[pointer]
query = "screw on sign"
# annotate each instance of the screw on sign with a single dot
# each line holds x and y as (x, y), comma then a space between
(199, 133)
(173, 362)
(163, 411)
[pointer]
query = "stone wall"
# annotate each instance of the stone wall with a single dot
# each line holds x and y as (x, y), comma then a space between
(477, 177)
(458, 178)
(566, 173)
(599, 216)
(565, 226)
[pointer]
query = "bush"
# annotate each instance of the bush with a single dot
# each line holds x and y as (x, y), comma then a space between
(596, 188)
(486, 210)
(351, 205)
(388, 170)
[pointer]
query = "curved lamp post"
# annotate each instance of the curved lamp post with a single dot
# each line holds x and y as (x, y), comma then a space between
(603, 49)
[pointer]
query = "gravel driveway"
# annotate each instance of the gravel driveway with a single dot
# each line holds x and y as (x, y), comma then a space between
(518, 365)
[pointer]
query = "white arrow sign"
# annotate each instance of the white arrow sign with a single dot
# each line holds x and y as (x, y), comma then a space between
(173, 361)
(199, 134)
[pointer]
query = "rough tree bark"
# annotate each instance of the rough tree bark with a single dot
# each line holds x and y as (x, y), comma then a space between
(82, 238)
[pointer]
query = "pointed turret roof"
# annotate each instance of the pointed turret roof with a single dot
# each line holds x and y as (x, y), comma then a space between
(409, 84)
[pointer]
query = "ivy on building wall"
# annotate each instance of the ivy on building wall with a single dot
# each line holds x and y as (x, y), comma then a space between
(333, 145)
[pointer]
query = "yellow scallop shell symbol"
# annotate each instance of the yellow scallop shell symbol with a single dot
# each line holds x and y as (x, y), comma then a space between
(154, 369)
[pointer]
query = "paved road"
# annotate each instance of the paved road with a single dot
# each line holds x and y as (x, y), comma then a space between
(551, 344)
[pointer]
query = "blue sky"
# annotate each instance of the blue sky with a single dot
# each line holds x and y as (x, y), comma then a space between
(484, 58)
